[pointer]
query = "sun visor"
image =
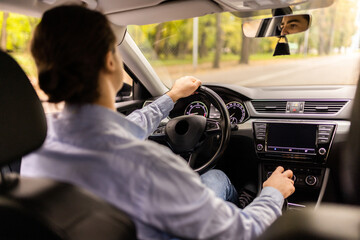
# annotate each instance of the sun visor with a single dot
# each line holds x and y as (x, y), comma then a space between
(168, 11)
(251, 8)
(251, 5)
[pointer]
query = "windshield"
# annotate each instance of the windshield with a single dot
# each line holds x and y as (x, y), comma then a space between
(214, 49)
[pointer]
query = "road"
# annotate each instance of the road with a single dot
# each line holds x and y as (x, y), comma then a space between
(339, 69)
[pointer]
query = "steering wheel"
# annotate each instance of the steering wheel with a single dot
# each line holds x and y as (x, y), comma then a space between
(185, 135)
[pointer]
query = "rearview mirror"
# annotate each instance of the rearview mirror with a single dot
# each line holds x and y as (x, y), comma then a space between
(277, 26)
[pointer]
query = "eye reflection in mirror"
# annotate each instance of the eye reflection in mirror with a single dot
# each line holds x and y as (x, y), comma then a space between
(277, 26)
(294, 24)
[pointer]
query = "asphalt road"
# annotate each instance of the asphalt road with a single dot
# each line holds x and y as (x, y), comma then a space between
(339, 69)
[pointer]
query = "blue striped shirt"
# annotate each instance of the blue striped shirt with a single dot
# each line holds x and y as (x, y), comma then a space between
(105, 153)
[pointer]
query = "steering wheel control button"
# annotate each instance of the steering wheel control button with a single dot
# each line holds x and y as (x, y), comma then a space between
(311, 180)
(322, 151)
(159, 132)
(212, 125)
(259, 147)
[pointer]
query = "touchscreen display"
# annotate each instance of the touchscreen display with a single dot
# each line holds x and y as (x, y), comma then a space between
(296, 136)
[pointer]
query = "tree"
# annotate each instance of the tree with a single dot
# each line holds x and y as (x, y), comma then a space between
(231, 27)
(332, 31)
(207, 35)
(245, 50)
(322, 36)
(3, 36)
(158, 37)
(203, 49)
(181, 38)
(218, 43)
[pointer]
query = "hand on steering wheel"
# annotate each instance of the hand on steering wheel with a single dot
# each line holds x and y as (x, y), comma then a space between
(186, 134)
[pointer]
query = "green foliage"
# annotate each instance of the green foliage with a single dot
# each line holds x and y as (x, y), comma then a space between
(332, 30)
(19, 29)
(207, 33)
(231, 26)
(344, 23)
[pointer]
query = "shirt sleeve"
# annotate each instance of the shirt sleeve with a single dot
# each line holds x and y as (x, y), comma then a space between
(178, 203)
(149, 117)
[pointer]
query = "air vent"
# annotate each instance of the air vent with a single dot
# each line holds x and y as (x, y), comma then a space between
(323, 107)
(269, 106)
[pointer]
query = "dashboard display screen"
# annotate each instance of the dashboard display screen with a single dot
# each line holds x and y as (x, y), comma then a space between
(291, 137)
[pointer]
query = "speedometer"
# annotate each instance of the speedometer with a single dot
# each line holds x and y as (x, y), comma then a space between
(197, 108)
(236, 111)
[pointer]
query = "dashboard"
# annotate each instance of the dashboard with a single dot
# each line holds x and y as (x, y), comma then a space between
(244, 104)
(300, 128)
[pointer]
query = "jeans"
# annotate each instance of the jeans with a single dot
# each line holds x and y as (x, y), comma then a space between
(217, 181)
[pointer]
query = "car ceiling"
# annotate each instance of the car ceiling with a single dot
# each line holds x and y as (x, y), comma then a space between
(139, 12)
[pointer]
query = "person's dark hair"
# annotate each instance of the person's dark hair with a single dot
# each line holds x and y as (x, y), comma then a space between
(69, 47)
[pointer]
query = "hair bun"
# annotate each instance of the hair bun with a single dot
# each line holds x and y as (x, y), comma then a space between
(62, 84)
(49, 83)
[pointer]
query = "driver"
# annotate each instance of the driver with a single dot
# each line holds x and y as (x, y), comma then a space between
(90, 145)
(291, 24)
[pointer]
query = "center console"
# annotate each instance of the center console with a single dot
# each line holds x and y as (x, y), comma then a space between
(296, 141)
(302, 146)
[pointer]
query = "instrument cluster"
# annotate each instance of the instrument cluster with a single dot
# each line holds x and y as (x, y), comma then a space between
(199, 105)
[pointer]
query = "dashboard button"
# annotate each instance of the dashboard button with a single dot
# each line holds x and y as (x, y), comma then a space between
(260, 125)
(311, 180)
(322, 151)
(259, 147)
(327, 128)
(323, 141)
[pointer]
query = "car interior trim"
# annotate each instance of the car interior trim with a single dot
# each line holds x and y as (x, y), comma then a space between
(344, 113)
(140, 66)
(166, 11)
(323, 188)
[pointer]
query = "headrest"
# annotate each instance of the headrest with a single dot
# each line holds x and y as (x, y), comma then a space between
(22, 118)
